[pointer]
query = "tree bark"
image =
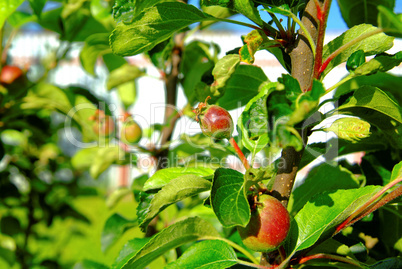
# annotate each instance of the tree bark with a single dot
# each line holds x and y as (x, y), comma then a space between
(302, 60)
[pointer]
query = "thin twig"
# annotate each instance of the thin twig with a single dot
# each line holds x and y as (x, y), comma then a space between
(242, 158)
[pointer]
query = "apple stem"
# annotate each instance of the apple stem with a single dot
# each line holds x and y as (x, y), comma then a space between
(240, 154)
(282, 252)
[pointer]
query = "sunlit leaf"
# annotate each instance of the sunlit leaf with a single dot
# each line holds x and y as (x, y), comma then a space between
(114, 228)
(182, 232)
(212, 254)
(372, 45)
(175, 190)
(351, 129)
(7, 7)
(164, 176)
(153, 26)
(323, 213)
(321, 178)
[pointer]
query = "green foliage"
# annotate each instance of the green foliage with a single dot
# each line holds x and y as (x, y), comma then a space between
(175, 235)
(362, 11)
(370, 46)
(321, 178)
(174, 191)
(7, 8)
(153, 26)
(57, 208)
(389, 21)
(351, 129)
(211, 253)
(330, 209)
(228, 198)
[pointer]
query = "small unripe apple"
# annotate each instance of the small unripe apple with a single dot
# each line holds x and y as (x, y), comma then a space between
(130, 132)
(10, 74)
(103, 124)
(268, 227)
(214, 120)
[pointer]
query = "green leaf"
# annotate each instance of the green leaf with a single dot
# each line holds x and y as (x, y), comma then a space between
(318, 219)
(381, 63)
(362, 11)
(127, 93)
(217, 12)
(14, 138)
(389, 21)
(385, 81)
(199, 143)
(164, 176)
(283, 10)
(96, 45)
(10, 225)
(37, 6)
(77, 22)
(397, 171)
(153, 26)
(97, 159)
(113, 61)
(292, 87)
(370, 46)
(253, 121)
(127, 10)
(123, 78)
(7, 250)
(100, 10)
(375, 106)
(116, 196)
(374, 99)
(254, 41)
(211, 254)
(321, 178)
(87, 264)
(175, 190)
(75, 106)
(182, 232)
(223, 3)
(105, 157)
(196, 65)
(222, 72)
(335, 148)
(51, 20)
(287, 106)
(394, 262)
(352, 129)
(228, 198)
(114, 228)
(128, 250)
(248, 9)
(83, 158)
(242, 86)
(7, 7)
(18, 19)
(126, 73)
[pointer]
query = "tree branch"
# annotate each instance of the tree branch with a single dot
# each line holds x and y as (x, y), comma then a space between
(171, 113)
(302, 69)
(302, 58)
